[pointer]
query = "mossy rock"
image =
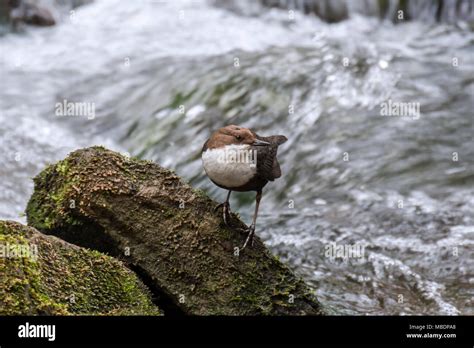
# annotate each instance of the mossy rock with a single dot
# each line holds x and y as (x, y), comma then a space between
(45, 275)
(166, 231)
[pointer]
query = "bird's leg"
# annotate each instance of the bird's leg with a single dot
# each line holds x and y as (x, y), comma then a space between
(251, 229)
(225, 209)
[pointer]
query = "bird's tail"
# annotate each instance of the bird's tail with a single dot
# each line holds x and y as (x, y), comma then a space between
(277, 139)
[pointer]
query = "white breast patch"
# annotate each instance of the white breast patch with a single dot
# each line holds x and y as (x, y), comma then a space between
(230, 166)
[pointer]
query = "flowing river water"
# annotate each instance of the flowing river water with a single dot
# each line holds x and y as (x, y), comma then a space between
(376, 212)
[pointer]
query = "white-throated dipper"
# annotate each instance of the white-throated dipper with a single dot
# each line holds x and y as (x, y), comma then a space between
(237, 159)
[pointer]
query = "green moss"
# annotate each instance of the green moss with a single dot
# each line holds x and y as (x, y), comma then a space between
(62, 167)
(47, 216)
(201, 194)
(62, 279)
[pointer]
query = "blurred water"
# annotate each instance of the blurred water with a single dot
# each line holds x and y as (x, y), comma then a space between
(162, 75)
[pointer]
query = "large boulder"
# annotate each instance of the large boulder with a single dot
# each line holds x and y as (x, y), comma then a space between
(45, 275)
(167, 232)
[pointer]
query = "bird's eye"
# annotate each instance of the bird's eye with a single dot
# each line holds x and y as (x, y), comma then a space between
(238, 137)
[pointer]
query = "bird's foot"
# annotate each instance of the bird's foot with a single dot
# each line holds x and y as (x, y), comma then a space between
(250, 236)
(225, 212)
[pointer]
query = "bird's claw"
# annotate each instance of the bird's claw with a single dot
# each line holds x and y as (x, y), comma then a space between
(219, 206)
(225, 212)
(250, 237)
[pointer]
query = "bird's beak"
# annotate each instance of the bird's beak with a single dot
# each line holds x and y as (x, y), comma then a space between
(258, 142)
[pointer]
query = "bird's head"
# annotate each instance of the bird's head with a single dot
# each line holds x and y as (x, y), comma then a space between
(235, 135)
